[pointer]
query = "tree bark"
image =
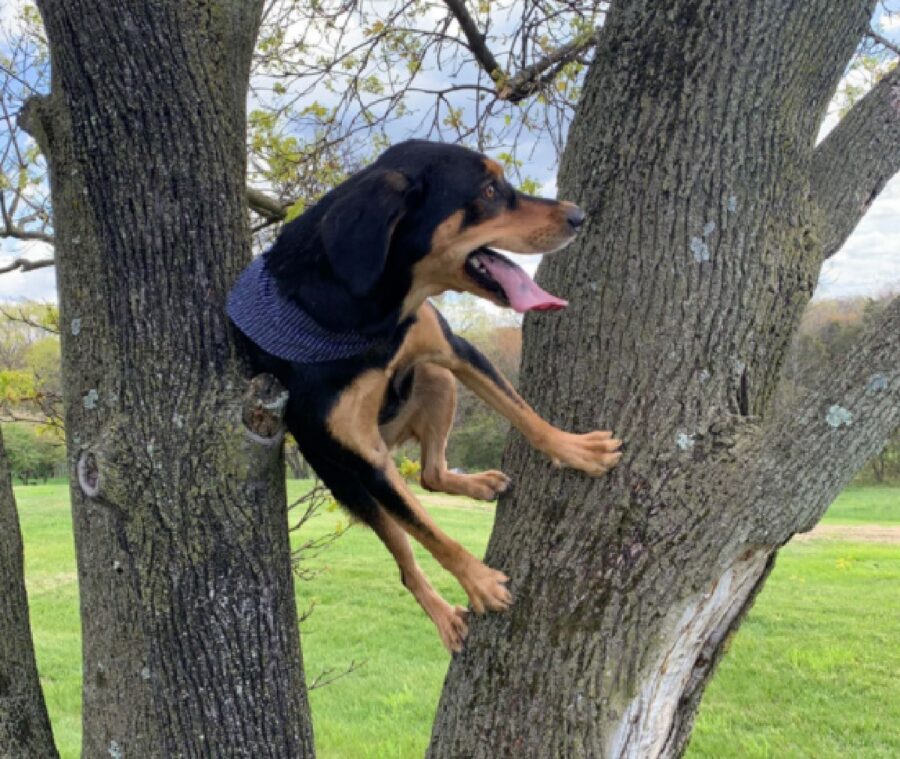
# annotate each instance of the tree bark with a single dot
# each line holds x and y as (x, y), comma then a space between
(189, 622)
(856, 160)
(692, 153)
(24, 725)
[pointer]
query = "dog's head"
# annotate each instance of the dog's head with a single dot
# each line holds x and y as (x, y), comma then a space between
(428, 215)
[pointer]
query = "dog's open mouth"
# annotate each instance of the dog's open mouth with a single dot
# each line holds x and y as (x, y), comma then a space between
(509, 283)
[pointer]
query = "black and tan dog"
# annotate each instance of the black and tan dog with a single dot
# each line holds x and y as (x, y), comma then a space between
(337, 310)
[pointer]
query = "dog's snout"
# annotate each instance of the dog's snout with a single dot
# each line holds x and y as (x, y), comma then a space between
(575, 216)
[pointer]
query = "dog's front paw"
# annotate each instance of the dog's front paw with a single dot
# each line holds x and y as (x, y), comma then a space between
(594, 452)
(452, 627)
(485, 588)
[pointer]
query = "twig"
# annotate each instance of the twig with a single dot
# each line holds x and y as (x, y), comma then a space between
(23, 319)
(882, 40)
(326, 677)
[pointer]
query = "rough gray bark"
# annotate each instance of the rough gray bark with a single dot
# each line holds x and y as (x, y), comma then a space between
(692, 152)
(24, 725)
(189, 622)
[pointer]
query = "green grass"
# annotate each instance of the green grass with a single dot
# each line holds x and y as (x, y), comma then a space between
(878, 504)
(812, 672)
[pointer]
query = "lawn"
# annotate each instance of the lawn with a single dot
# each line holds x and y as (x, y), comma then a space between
(812, 673)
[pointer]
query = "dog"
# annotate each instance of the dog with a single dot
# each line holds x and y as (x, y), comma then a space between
(337, 310)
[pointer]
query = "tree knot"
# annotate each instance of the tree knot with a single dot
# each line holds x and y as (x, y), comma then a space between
(264, 405)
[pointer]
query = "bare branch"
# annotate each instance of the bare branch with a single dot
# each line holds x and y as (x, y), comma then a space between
(475, 39)
(883, 41)
(531, 78)
(328, 676)
(267, 207)
(854, 162)
(309, 505)
(21, 317)
(9, 229)
(527, 80)
(25, 265)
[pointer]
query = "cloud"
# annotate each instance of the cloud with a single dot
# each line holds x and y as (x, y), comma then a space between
(38, 284)
(869, 262)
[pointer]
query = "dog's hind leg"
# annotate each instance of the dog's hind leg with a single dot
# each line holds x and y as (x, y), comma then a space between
(450, 621)
(427, 415)
(353, 423)
(348, 488)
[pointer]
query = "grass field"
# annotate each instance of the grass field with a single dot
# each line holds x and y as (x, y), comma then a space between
(812, 673)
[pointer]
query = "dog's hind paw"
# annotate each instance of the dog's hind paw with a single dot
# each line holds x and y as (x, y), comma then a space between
(483, 486)
(487, 486)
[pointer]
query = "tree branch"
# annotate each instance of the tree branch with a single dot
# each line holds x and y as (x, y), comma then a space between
(854, 162)
(25, 265)
(266, 206)
(475, 38)
(330, 675)
(529, 80)
(882, 40)
(844, 419)
(269, 208)
(17, 233)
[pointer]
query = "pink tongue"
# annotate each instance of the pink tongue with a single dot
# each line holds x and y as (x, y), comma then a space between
(521, 291)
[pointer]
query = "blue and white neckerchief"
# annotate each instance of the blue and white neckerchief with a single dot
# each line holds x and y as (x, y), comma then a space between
(279, 326)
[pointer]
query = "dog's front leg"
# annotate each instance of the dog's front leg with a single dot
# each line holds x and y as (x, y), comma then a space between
(593, 452)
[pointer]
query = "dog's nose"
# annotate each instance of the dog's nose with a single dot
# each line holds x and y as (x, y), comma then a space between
(575, 217)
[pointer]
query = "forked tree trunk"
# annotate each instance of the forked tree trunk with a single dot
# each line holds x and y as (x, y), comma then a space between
(188, 615)
(692, 153)
(24, 725)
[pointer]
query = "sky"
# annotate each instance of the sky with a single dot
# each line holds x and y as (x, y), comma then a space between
(867, 265)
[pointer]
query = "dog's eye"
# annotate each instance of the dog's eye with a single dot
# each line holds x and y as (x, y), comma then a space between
(490, 191)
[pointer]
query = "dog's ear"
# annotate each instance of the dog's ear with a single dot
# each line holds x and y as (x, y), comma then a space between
(356, 230)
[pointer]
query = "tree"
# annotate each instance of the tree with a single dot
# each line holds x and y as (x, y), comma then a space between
(24, 725)
(177, 482)
(710, 212)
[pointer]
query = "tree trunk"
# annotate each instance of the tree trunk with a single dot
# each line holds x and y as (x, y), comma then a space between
(24, 725)
(189, 622)
(692, 152)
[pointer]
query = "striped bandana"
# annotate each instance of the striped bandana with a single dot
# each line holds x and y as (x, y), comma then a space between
(280, 327)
